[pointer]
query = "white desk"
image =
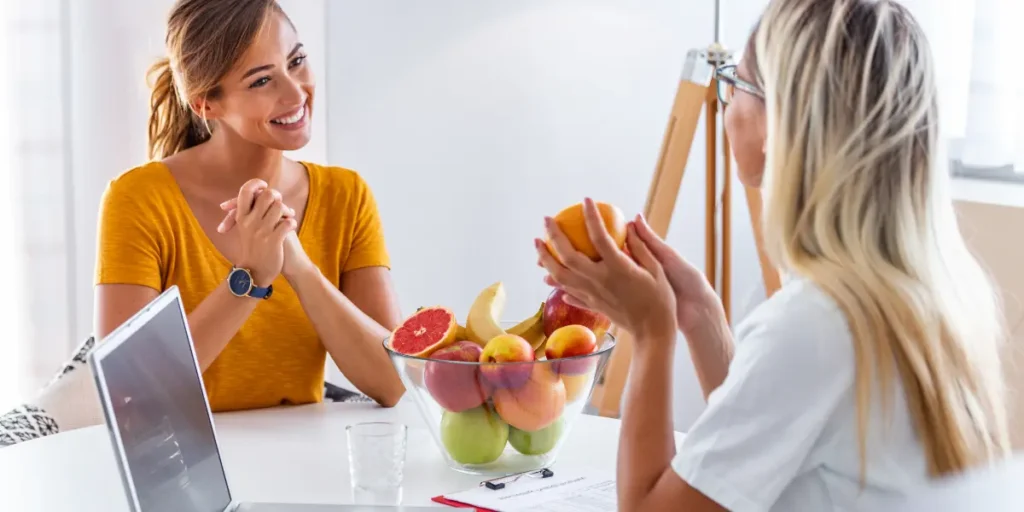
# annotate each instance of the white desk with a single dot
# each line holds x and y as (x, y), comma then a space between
(296, 454)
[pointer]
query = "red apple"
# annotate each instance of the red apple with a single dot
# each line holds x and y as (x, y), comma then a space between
(454, 384)
(559, 314)
(506, 361)
(571, 341)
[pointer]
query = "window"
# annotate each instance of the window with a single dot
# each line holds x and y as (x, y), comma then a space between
(977, 43)
(33, 203)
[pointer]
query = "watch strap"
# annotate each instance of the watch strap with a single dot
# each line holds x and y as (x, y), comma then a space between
(261, 293)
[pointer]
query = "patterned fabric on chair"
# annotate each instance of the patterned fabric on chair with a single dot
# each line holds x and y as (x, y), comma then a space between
(25, 423)
(57, 399)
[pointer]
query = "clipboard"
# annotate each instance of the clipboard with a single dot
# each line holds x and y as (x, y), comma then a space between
(494, 484)
(590, 490)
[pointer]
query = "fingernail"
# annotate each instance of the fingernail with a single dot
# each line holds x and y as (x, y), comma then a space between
(548, 221)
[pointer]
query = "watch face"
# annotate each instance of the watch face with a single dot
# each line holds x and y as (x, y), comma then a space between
(240, 282)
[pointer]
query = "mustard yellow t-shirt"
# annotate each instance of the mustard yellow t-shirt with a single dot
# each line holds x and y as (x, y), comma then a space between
(148, 236)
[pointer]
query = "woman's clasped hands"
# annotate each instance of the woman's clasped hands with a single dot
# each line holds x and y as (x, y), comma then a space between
(269, 245)
(648, 289)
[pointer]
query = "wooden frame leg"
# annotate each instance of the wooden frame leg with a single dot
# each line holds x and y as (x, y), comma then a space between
(711, 184)
(661, 201)
(692, 97)
(726, 293)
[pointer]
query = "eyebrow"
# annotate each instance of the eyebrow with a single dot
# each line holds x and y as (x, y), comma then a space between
(259, 69)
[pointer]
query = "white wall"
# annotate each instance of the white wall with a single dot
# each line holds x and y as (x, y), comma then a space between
(475, 119)
(455, 114)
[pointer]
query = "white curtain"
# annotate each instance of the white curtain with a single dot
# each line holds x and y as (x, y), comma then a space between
(977, 44)
(34, 309)
(994, 133)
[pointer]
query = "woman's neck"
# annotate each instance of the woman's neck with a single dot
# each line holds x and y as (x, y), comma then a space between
(237, 161)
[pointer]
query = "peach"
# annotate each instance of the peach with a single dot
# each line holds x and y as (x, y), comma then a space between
(557, 313)
(454, 385)
(573, 224)
(506, 361)
(535, 405)
(575, 386)
(570, 341)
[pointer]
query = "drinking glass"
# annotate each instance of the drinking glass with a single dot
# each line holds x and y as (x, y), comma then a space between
(376, 460)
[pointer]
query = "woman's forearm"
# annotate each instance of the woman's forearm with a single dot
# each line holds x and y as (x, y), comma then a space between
(351, 337)
(647, 439)
(711, 347)
(216, 320)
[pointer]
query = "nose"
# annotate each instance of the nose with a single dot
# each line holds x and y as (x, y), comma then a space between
(293, 94)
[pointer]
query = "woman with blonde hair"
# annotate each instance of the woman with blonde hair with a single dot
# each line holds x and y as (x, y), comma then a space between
(876, 366)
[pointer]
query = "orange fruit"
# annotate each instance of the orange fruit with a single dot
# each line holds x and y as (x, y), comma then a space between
(572, 222)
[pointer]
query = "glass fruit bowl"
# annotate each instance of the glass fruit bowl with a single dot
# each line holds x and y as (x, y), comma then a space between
(500, 418)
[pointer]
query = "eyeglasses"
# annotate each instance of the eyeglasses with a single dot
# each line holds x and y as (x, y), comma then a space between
(728, 82)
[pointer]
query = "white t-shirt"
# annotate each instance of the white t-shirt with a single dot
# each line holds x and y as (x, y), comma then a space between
(780, 434)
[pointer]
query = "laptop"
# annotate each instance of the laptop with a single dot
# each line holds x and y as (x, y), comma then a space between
(160, 423)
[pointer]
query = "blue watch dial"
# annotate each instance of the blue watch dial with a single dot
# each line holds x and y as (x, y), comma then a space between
(240, 282)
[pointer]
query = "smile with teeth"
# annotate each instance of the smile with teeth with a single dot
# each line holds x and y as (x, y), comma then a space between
(293, 118)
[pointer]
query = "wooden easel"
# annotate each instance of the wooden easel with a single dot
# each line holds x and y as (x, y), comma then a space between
(698, 90)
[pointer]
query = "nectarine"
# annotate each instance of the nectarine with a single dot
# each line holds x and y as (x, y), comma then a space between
(535, 405)
(571, 341)
(506, 361)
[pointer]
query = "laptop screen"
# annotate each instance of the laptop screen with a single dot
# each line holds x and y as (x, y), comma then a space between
(162, 418)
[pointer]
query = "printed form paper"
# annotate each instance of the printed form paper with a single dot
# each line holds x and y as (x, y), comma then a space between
(594, 492)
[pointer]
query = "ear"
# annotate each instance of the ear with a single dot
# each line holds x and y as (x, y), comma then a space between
(207, 108)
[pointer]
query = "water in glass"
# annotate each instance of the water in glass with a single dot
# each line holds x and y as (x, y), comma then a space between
(376, 457)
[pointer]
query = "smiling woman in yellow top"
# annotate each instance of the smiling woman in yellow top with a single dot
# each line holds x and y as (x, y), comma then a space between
(279, 262)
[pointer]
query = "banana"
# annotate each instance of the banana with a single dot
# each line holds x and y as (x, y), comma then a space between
(531, 329)
(460, 333)
(483, 322)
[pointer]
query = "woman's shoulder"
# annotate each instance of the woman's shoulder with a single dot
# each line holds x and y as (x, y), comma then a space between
(146, 180)
(139, 194)
(340, 187)
(335, 178)
(799, 319)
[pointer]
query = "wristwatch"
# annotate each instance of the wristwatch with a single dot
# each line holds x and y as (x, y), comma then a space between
(241, 285)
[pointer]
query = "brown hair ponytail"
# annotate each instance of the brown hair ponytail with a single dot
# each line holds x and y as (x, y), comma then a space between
(204, 40)
(172, 125)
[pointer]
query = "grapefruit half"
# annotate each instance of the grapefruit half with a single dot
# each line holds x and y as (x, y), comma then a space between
(426, 330)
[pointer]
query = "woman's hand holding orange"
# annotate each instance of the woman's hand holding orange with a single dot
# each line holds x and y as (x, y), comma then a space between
(632, 290)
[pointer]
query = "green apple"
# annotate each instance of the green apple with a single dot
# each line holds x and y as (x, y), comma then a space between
(535, 443)
(475, 436)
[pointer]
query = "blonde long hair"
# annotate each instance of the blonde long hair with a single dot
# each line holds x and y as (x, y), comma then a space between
(857, 200)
